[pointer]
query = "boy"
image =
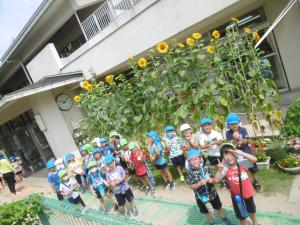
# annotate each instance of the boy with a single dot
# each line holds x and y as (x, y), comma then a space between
(98, 157)
(116, 177)
(98, 185)
(86, 157)
(53, 179)
(202, 184)
(68, 188)
(233, 167)
(76, 167)
(105, 148)
(239, 136)
(172, 142)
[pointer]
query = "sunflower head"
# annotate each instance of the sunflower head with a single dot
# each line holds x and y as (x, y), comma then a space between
(162, 47)
(142, 62)
(89, 87)
(234, 20)
(109, 78)
(210, 49)
(84, 84)
(180, 45)
(256, 36)
(130, 58)
(216, 34)
(190, 41)
(77, 98)
(247, 30)
(197, 36)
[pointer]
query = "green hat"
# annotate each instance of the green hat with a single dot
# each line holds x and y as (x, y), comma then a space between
(89, 148)
(224, 146)
(114, 133)
(123, 142)
(91, 164)
(62, 173)
(131, 145)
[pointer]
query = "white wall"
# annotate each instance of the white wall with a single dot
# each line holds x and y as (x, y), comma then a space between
(46, 63)
(58, 134)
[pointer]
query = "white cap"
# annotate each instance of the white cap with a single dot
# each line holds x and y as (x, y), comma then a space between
(59, 161)
(184, 127)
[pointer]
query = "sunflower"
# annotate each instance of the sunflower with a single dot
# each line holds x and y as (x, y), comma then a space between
(216, 34)
(77, 98)
(142, 62)
(210, 49)
(180, 45)
(247, 30)
(190, 41)
(197, 36)
(84, 84)
(235, 20)
(109, 78)
(89, 87)
(256, 36)
(162, 47)
(130, 58)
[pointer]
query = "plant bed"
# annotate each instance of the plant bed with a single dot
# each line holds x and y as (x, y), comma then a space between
(294, 170)
(265, 164)
(290, 164)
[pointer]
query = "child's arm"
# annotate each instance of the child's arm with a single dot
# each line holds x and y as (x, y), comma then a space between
(198, 184)
(52, 187)
(92, 190)
(250, 157)
(157, 151)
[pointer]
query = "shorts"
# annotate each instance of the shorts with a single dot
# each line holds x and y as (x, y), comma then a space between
(78, 179)
(250, 205)
(161, 167)
(143, 175)
(99, 196)
(253, 169)
(60, 197)
(18, 173)
(178, 161)
(76, 201)
(121, 198)
(216, 204)
(123, 164)
(213, 160)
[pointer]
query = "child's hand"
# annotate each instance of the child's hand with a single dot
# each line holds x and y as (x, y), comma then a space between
(210, 180)
(220, 165)
(202, 182)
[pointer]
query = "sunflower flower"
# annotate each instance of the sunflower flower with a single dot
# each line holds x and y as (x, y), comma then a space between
(89, 87)
(162, 47)
(190, 41)
(142, 62)
(235, 20)
(210, 49)
(247, 30)
(256, 36)
(180, 45)
(216, 34)
(77, 98)
(109, 78)
(197, 36)
(84, 84)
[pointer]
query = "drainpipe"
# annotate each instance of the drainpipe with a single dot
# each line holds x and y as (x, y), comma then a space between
(81, 27)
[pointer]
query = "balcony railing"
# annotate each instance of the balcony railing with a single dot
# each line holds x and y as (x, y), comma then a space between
(106, 14)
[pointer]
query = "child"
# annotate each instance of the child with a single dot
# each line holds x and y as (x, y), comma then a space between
(86, 157)
(116, 177)
(18, 168)
(239, 136)
(115, 138)
(106, 148)
(240, 185)
(137, 159)
(60, 165)
(172, 142)
(98, 185)
(98, 157)
(155, 149)
(202, 184)
(191, 139)
(76, 167)
(68, 187)
(53, 179)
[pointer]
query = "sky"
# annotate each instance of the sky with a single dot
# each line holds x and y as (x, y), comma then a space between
(14, 14)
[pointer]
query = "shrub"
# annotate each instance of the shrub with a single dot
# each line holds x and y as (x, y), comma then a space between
(291, 125)
(290, 162)
(277, 151)
(261, 156)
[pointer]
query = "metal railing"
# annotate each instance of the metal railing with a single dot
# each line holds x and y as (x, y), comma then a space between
(105, 15)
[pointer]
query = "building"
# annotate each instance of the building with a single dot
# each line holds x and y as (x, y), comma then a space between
(67, 41)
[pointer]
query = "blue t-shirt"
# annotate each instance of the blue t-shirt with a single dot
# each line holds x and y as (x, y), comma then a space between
(96, 180)
(54, 179)
(243, 135)
(160, 158)
(107, 150)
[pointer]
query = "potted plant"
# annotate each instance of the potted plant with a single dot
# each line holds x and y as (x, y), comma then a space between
(263, 161)
(290, 164)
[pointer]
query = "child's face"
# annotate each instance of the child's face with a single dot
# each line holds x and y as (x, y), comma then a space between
(170, 133)
(150, 140)
(72, 159)
(229, 158)
(97, 155)
(52, 170)
(111, 166)
(207, 128)
(187, 133)
(65, 179)
(234, 127)
(103, 144)
(195, 162)
(103, 170)
(125, 148)
(84, 153)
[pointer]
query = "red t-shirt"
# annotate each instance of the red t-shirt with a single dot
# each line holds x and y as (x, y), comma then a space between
(233, 181)
(139, 165)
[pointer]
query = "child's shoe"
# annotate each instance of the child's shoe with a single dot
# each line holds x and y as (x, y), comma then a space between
(167, 185)
(172, 186)
(182, 178)
(152, 192)
(147, 190)
(116, 207)
(135, 211)
(257, 186)
(226, 221)
(128, 214)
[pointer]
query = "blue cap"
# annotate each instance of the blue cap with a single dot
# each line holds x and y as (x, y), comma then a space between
(69, 155)
(103, 139)
(232, 118)
(108, 159)
(82, 148)
(193, 152)
(205, 120)
(169, 128)
(11, 158)
(50, 164)
(95, 151)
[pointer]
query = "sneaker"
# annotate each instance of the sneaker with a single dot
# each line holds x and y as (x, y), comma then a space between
(172, 186)
(257, 186)
(182, 178)
(135, 211)
(226, 221)
(116, 207)
(147, 190)
(167, 185)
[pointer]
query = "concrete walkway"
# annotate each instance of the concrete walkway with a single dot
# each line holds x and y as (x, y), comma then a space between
(294, 195)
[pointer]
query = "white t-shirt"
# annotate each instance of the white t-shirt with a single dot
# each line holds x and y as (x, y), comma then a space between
(65, 187)
(209, 138)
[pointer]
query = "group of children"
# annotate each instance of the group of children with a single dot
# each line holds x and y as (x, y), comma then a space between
(105, 168)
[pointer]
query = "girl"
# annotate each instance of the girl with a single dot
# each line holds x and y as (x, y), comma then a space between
(76, 167)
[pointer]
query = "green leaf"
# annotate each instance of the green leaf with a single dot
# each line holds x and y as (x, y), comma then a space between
(224, 101)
